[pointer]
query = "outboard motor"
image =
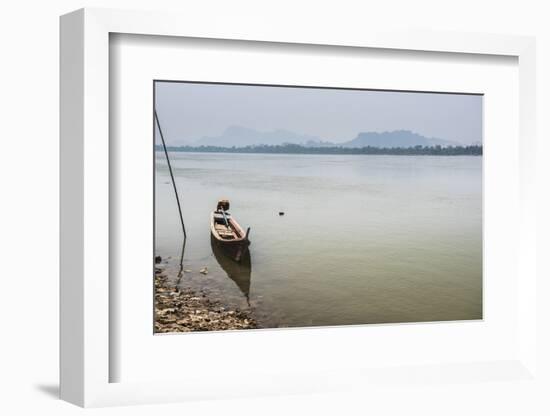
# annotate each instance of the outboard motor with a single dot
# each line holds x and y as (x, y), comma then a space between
(223, 204)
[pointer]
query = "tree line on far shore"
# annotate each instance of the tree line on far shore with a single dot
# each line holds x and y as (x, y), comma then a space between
(473, 150)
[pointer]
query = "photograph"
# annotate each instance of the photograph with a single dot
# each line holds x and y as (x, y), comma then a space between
(289, 206)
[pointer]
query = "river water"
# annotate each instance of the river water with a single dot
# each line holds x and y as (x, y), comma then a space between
(364, 239)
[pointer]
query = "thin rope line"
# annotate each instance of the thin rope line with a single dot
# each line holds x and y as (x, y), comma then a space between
(171, 175)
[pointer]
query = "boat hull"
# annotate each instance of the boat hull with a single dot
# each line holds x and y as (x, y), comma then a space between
(235, 248)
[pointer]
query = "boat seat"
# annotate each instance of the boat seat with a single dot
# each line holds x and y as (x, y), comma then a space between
(219, 215)
(226, 235)
(223, 231)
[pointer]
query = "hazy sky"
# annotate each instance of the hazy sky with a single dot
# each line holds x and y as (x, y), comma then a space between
(189, 111)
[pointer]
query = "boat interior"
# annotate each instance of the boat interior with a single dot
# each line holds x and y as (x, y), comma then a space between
(223, 226)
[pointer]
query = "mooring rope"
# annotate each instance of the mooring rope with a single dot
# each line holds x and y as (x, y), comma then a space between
(171, 176)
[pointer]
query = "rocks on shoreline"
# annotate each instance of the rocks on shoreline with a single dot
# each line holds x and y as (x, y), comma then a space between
(185, 310)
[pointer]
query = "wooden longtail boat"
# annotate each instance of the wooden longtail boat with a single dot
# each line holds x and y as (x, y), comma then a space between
(227, 233)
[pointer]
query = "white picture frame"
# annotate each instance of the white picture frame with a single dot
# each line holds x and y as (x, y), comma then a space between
(85, 211)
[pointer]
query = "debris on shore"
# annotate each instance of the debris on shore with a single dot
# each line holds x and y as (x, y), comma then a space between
(185, 310)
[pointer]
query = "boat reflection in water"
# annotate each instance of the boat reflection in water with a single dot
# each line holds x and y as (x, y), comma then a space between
(239, 272)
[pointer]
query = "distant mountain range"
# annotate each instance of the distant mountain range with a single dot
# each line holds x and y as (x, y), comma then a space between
(242, 136)
(397, 138)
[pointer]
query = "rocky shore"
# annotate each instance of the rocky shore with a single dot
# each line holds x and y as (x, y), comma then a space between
(180, 309)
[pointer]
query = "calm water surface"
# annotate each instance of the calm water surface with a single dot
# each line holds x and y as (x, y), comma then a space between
(364, 239)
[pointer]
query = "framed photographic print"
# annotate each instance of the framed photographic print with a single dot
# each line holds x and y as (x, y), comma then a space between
(316, 206)
(306, 214)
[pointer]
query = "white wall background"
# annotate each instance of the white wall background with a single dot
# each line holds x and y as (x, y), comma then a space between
(29, 207)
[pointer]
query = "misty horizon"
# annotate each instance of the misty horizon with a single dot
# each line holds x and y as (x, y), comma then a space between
(191, 112)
